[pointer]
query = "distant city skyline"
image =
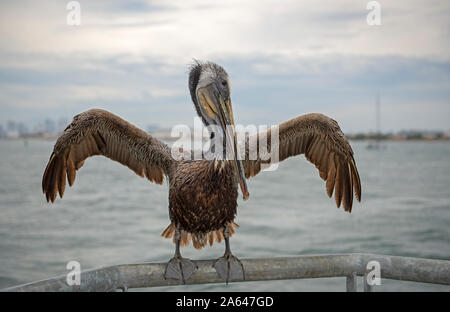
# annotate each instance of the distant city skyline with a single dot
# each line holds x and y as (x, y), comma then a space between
(132, 59)
(47, 125)
(51, 128)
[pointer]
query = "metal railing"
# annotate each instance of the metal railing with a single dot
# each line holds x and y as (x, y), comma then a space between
(342, 265)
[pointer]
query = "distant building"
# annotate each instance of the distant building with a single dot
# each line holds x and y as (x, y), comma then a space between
(38, 128)
(2, 132)
(11, 126)
(49, 126)
(446, 135)
(22, 129)
(11, 129)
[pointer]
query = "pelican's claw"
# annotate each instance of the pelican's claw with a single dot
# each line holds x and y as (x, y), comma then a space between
(180, 269)
(229, 268)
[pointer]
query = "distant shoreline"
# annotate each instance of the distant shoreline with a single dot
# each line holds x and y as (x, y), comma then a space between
(170, 139)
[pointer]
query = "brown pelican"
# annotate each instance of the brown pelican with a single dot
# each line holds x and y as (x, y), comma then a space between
(202, 193)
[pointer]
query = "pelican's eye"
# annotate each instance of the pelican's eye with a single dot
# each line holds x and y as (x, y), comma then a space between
(224, 83)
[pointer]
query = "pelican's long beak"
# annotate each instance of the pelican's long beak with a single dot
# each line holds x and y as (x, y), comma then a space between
(215, 104)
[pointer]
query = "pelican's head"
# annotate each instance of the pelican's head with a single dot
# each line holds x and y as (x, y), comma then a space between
(210, 89)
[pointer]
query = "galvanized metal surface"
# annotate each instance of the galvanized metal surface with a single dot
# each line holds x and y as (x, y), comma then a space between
(344, 265)
(367, 287)
(351, 282)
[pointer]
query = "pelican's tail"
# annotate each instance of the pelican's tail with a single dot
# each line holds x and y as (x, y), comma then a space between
(199, 240)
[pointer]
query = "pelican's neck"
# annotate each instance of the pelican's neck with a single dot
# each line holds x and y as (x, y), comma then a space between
(219, 165)
(217, 146)
(220, 160)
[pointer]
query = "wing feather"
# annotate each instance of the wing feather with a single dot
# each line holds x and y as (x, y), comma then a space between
(322, 142)
(71, 171)
(331, 178)
(62, 175)
(98, 132)
(338, 184)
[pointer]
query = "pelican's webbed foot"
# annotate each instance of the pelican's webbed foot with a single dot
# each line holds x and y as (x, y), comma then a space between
(229, 268)
(180, 269)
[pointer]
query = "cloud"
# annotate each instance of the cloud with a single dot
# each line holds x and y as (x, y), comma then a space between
(176, 31)
(284, 58)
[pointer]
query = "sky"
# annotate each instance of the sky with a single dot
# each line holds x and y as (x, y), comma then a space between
(284, 59)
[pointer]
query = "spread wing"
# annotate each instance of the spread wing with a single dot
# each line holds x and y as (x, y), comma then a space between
(98, 132)
(322, 142)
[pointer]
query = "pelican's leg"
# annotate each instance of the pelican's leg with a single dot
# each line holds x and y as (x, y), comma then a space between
(229, 267)
(179, 268)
